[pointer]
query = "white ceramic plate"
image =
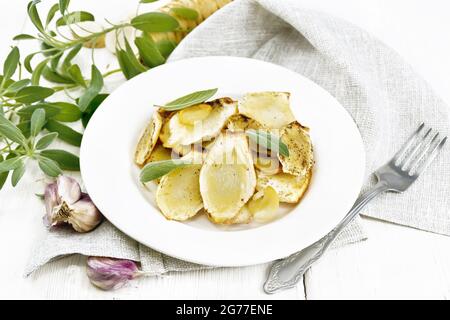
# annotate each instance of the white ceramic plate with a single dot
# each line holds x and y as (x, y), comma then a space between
(112, 179)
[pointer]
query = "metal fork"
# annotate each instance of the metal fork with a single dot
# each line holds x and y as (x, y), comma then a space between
(396, 175)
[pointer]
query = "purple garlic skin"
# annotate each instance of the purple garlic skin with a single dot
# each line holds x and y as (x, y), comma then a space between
(111, 274)
(84, 216)
(65, 203)
(68, 189)
(51, 200)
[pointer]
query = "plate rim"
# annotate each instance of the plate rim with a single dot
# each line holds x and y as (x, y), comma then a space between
(200, 259)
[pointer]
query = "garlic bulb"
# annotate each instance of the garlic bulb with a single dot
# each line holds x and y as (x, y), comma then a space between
(65, 203)
(109, 273)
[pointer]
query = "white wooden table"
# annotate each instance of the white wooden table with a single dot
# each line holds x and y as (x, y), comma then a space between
(396, 262)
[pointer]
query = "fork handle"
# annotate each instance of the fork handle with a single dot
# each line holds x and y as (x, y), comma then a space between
(285, 273)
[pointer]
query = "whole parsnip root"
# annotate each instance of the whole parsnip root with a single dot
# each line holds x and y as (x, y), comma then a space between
(204, 8)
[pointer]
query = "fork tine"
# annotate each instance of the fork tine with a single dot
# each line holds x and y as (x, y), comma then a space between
(406, 162)
(408, 143)
(431, 156)
(422, 154)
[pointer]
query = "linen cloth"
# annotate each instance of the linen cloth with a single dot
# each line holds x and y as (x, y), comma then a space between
(385, 97)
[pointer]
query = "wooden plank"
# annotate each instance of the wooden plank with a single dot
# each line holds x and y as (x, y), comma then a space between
(395, 263)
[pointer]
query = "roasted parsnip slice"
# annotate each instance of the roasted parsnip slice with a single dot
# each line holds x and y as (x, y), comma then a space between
(148, 139)
(298, 142)
(290, 188)
(270, 109)
(178, 194)
(227, 178)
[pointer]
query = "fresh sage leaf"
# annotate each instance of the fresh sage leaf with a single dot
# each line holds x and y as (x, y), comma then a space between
(65, 160)
(11, 132)
(3, 175)
(51, 13)
(148, 51)
(157, 169)
(166, 47)
(127, 67)
(51, 110)
(92, 107)
(34, 15)
(56, 77)
(148, 1)
(11, 63)
(70, 55)
(24, 36)
(18, 173)
(76, 75)
(132, 57)
(33, 94)
(49, 49)
(63, 5)
(6, 86)
(37, 73)
(54, 62)
(185, 13)
(93, 90)
(6, 83)
(10, 164)
(27, 62)
(24, 127)
(155, 22)
(37, 121)
(49, 167)
(189, 100)
(128, 62)
(68, 112)
(65, 133)
(268, 141)
(16, 86)
(46, 140)
(75, 17)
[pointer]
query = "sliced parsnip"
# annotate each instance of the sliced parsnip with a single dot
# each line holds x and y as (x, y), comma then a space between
(191, 115)
(267, 165)
(159, 153)
(244, 216)
(148, 139)
(264, 205)
(178, 194)
(301, 157)
(290, 188)
(239, 122)
(270, 109)
(174, 133)
(227, 178)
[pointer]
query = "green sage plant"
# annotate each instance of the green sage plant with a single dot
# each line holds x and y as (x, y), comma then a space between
(29, 122)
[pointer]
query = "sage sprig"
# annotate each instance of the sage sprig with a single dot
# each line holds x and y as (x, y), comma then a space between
(155, 22)
(268, 141)
(29, 122)
(21, 147)
(157, 169)
(189, 100)
(185, 13)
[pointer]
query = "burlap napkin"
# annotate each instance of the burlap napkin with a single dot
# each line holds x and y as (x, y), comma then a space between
(382, 93)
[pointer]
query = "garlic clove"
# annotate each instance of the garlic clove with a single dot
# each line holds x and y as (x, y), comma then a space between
(65, 203)
(69, 190)
(84, 215)
(111, 274)
(51, 201)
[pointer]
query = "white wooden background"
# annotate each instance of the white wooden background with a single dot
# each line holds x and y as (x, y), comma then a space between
(396, 262)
